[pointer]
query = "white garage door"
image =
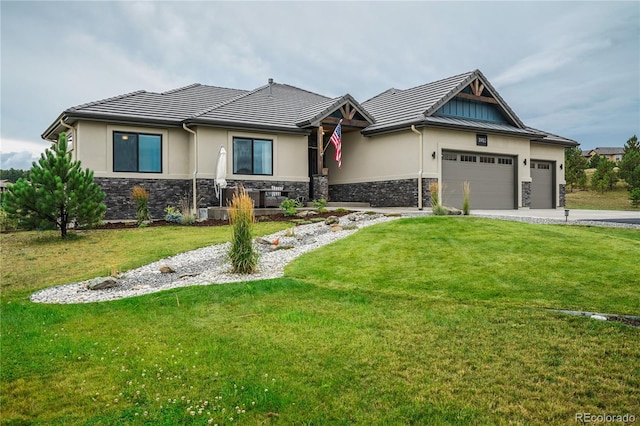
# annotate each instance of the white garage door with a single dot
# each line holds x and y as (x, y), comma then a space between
(491, 177)
(542, 195)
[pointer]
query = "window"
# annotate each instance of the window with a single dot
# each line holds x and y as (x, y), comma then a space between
(505, 161)
(488, 160)
(252, 156)
(468, 158)
(137, 152)
(447, 156)
(544, 166)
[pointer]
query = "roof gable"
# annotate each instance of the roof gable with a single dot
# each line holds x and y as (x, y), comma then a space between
(344, 107)
(394, 108)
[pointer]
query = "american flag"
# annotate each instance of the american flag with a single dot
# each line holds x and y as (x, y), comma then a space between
(336, 140)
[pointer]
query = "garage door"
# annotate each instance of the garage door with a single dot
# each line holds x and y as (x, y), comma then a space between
(491, 177)
(542, 194)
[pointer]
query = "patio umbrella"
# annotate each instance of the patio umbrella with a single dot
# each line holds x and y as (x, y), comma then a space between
(221, 173)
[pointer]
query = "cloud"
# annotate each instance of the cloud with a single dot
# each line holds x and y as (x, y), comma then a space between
(19, 154)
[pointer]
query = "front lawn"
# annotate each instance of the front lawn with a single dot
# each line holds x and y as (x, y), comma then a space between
(433, 320)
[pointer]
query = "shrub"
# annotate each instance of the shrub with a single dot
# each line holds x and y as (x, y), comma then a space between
(433, 189)
(290, 207)
(439, 210)
(172, 215)
(244, 259)
(320, 205)
(466, 188)
(188, 215)
(7, 223)
(141, 198)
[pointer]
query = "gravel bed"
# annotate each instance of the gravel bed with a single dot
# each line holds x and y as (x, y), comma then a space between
(210, 265)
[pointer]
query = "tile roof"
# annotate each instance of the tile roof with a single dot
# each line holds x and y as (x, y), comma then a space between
(270, 106)
(174, 105)
(287, 108)
(394, 107)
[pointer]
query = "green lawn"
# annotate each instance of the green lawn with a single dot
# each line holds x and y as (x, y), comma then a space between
(434, 320)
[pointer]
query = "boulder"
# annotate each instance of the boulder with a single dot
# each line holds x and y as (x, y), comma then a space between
(166, 269)
(452, 211)
(102, 283)
(303, 214)
(354, 217)
(331, 220)
(336, 228)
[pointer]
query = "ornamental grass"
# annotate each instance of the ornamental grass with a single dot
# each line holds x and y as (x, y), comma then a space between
(141, 198)
(244, 259)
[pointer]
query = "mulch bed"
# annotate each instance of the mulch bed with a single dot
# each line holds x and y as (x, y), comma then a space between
(280, 217)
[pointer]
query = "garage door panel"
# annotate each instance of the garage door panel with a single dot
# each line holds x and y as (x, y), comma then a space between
(491, 183)
(542, 183)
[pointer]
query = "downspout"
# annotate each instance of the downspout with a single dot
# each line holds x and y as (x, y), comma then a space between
(195, 164)
(421, 162)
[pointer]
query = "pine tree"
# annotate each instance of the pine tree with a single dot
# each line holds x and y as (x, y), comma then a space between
(575, 164)
(630, 165)
(58, 192)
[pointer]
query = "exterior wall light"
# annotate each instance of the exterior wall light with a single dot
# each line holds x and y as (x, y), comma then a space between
(525, 162)
(560, 166)
(433, 155)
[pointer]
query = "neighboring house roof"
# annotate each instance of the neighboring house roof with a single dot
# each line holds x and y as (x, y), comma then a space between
(608, 151)
(287, 108)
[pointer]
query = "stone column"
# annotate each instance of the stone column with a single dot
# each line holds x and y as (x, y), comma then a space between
(320, 187)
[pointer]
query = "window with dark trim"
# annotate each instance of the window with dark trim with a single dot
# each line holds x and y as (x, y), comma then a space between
(468, 158)
(505, 161)
(252, 156)
(137, 152)
(447, 156)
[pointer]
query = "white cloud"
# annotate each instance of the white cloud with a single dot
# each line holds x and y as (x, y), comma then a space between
(18, 154)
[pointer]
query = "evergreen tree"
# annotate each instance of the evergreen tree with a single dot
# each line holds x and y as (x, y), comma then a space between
(630, 164)
(57, 193)
(605, 175)
(575, 164)
(594, 161)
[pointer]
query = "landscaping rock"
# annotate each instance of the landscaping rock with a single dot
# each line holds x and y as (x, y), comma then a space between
(263, 241)
(303, 214)
(102, 283)
(336, 228)
(354, 217)
(452, 211)
(166, 269)
(331, 220)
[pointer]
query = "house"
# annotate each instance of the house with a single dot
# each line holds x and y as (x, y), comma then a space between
(614, 154)
(394, 146)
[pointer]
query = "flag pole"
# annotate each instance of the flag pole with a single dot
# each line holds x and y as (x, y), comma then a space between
(325, 147)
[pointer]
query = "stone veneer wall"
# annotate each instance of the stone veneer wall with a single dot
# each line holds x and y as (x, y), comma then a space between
(562, 195)
(164, 192)
(391, 193)
(526, 194)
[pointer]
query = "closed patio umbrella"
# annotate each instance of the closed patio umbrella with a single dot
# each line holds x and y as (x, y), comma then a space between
(221, 173)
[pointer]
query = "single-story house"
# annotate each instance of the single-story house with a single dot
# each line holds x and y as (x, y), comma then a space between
(394, 146)
(614, 154)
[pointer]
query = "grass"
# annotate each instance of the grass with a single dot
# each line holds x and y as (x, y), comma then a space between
(617, 199)
(427, 321)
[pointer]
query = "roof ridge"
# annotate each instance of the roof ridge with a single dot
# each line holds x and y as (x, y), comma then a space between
(179, 89)
(102, 101)
(382, 93)
(304, 90)
(226, 102)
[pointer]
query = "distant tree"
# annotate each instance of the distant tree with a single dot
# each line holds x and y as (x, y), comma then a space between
(594, 161)
(605, 175)
(12, 175)
(58, 192)
(574, 169)
(630, 168)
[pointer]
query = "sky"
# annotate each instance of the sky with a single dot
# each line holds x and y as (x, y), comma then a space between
(568, 68)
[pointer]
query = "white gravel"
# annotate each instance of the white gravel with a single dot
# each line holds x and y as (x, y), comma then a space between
(210, 265)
